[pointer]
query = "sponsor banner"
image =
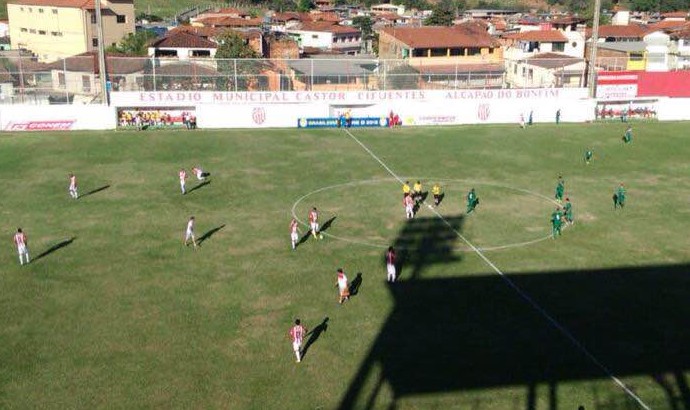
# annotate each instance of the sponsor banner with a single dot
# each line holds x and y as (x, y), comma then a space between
(617, 85)
(431, 120)
(332, 122)
(56, 125)
(196, 98)
(57, 117)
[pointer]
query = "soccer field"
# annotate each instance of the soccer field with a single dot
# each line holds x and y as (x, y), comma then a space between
(489, 311)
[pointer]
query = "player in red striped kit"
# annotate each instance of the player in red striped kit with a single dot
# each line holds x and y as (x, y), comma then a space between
(22, 244)
(294, 233)
(73, 186)
(297, 333)
(183, 180)
(390, 264)
(314, 223)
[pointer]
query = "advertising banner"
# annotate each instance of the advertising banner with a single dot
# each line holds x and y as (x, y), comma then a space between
(335, 122)
(617, 85)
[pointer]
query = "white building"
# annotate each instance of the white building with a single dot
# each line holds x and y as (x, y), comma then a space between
(546, 70)
(657, 49)
(327, 36)
(182, 46)
(529, 43)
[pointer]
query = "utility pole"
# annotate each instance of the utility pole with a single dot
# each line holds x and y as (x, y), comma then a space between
(591, 77)
(103, 74)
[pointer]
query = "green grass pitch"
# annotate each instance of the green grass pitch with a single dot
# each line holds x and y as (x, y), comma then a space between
(118, 313)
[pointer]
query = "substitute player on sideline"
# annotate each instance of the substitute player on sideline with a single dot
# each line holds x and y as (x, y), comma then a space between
(296, 334)
(314, 223)
(189, 233)
(183, 180)
(73, 186)
(22, 244)
(294, 233)
(390, 265)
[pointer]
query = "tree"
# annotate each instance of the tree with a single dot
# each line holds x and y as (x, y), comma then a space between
(305, 5)
(232, 45)
(134, 44)
(365, 25)
(241, 64)
(442, 14)
(645, 5)
(673, 5)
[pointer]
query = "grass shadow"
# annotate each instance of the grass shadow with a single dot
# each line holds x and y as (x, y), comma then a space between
(327, 224)
(209, 234)
(314, 335)
(54, 248)
(201, 185)
(95, 191)
(356, 284)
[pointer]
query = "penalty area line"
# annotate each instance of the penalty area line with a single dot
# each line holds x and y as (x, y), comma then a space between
(561, 328)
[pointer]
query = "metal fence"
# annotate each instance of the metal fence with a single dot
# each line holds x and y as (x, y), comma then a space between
(76, 80)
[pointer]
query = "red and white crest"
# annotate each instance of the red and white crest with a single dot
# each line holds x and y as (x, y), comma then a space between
(259, 115)
(483, 112)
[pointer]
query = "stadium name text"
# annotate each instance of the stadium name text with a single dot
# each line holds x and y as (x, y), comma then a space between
(209, 97)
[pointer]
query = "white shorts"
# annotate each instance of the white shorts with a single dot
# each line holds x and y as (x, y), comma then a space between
(409, 208)
(294, 236)
(21, 249)
(390, 268)
(188, 235)
(296, 346)
(314, 226)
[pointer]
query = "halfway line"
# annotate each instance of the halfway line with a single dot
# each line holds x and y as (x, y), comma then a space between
(519, 291)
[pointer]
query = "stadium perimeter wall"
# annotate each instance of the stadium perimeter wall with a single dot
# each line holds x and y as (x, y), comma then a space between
(288, 109)
(414, 107)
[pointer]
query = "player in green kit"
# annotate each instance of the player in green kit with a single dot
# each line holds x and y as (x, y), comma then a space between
(556, 222)
(560, 189)
(568, 212)
(472, 201)
(619, 197)
(627, 137)
(589, 155)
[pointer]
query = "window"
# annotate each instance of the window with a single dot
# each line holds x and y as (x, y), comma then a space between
(93, 19)
(40, 10)
(23, 30)
(558, 47)
(530, 74)
(515, 69)
(42, 32)
(473, 51)
(56, 34)
(94, 42)
(121, 19)
(21, 9)
(61, 80)
(636, 57)
(31, 10)
(32, 31)
(54, 11)
(314, 36)
(86, 83)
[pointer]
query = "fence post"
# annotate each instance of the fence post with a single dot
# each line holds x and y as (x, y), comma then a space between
(64, 72)
(311, 76)
(153, 64)
(234, 61)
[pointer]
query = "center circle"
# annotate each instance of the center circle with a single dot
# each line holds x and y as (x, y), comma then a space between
(443, 181)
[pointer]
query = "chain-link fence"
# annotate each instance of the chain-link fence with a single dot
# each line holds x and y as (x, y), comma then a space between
(76, 80)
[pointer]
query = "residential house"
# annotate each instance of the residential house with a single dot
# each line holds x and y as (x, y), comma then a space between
(489, 13)
(230, 12)
(252, 37)
(657, 48)
(680, 51)
(328, 36)
(53, 29)
(617, 56)
(461, 56)
(547, 70)
(281, 22)
(528, 43)
(568, 23)
(80, 74)
(609, 33)
(183, 46)
(385, 8)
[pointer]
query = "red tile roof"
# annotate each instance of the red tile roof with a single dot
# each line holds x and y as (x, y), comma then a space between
(675, 14)
(79, 4)
(461, 68)
(629, 31)
(230, 22)
(180, 39)
(285, 17)
(88, 63)
(463, 35)
(540, 36)
(211, 32)
(665, 25)
(553, 60)
(329, 27)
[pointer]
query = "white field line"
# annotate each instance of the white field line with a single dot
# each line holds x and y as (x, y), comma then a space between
(519, 291)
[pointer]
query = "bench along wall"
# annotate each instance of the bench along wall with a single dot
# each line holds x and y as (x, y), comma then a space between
(414, 107)
(56, 117)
